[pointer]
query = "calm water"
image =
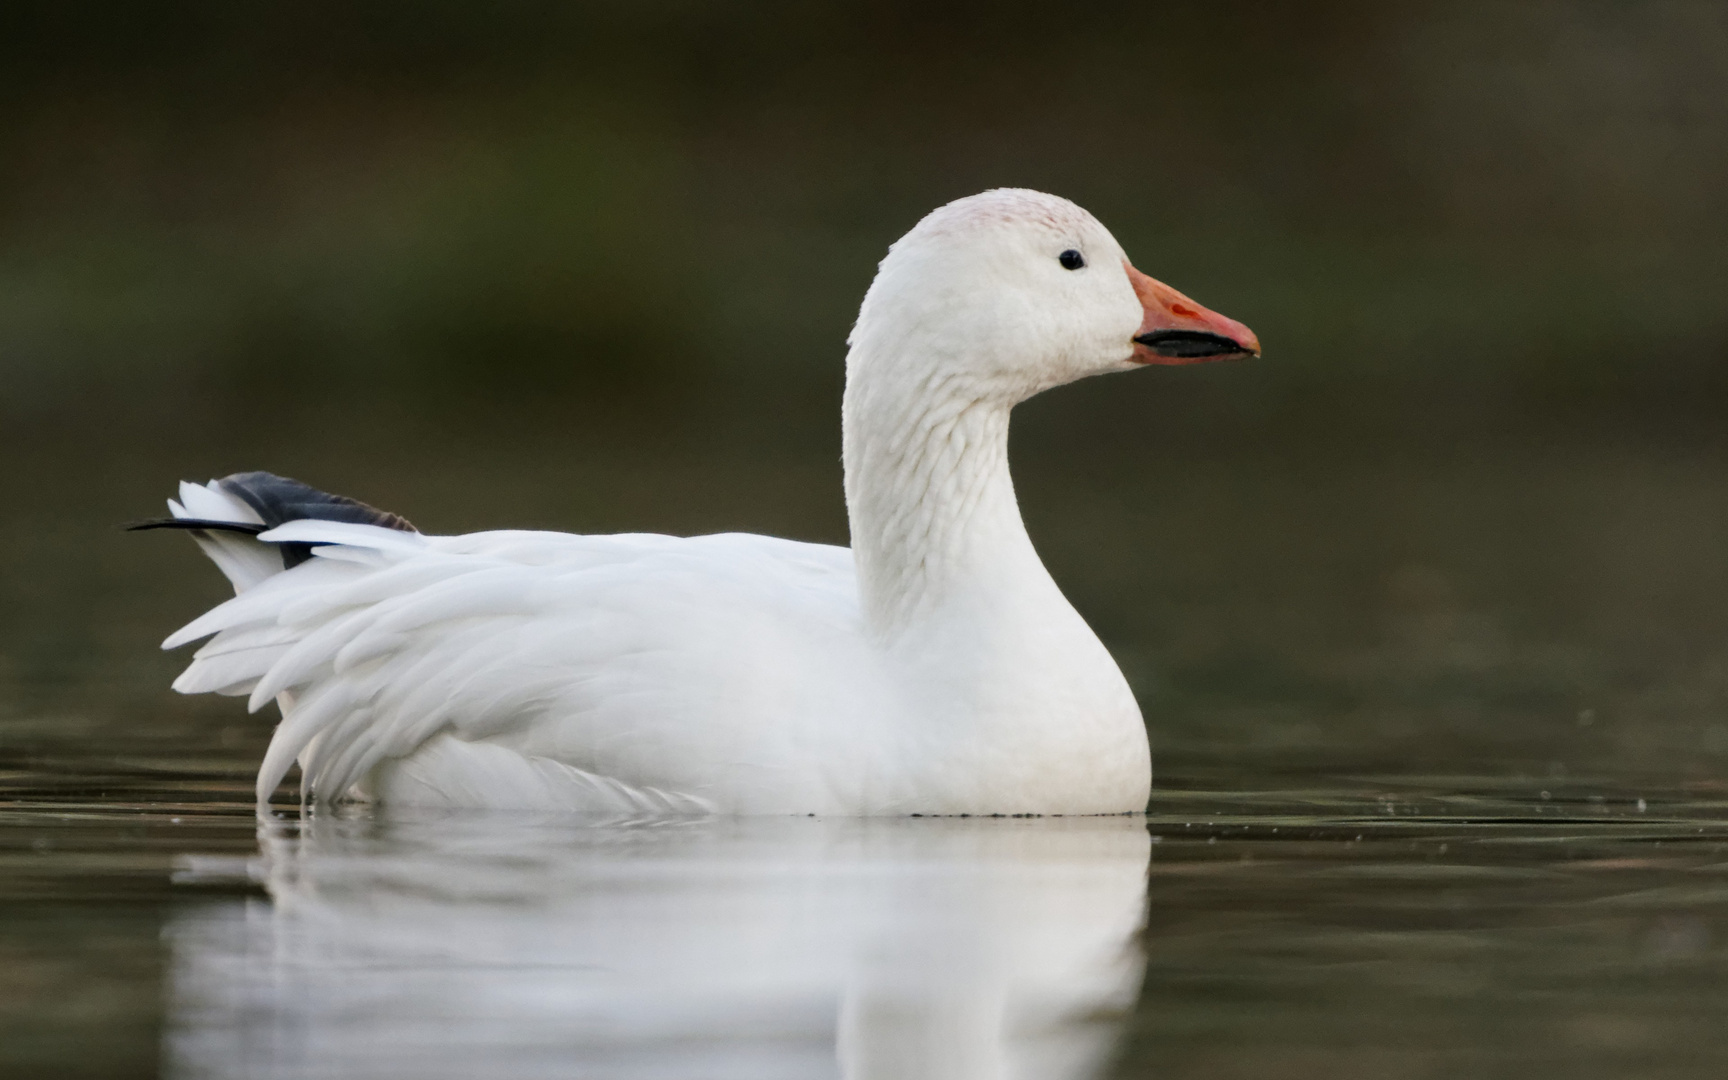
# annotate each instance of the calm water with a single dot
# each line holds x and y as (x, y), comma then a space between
(1374, 926)
(1442, 791)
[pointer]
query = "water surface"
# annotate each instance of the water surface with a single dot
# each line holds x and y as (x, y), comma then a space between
(1360, 926)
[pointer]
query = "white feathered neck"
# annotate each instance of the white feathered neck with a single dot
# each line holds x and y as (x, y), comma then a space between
(932, 507)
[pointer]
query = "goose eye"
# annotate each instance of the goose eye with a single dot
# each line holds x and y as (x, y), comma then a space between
(1071, 259)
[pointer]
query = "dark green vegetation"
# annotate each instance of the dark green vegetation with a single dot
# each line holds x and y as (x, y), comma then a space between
(591, 267)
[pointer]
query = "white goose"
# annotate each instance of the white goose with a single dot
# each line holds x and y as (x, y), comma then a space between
(932, 668)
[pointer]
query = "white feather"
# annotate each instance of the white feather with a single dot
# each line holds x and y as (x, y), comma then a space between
(346, 533)
(211, 503)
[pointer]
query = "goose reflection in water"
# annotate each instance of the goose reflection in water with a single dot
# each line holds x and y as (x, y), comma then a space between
(484, 945)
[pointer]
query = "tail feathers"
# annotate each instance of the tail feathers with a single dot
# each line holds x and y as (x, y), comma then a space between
(225, 517)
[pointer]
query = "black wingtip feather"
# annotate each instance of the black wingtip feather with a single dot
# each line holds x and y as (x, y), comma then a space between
(279, 500)
(195, 525)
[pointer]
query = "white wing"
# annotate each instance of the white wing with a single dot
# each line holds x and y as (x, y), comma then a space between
(619, 670)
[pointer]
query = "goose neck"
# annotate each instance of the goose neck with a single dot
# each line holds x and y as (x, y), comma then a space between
(935, 523)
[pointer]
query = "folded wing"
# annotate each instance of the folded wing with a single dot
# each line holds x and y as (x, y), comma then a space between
(625, 660)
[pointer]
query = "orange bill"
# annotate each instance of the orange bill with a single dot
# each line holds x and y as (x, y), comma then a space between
(1176, 330)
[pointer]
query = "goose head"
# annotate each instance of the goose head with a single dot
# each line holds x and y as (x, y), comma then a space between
(1010, 292)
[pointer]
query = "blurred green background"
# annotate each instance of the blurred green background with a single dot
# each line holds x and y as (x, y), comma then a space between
(591, 267)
